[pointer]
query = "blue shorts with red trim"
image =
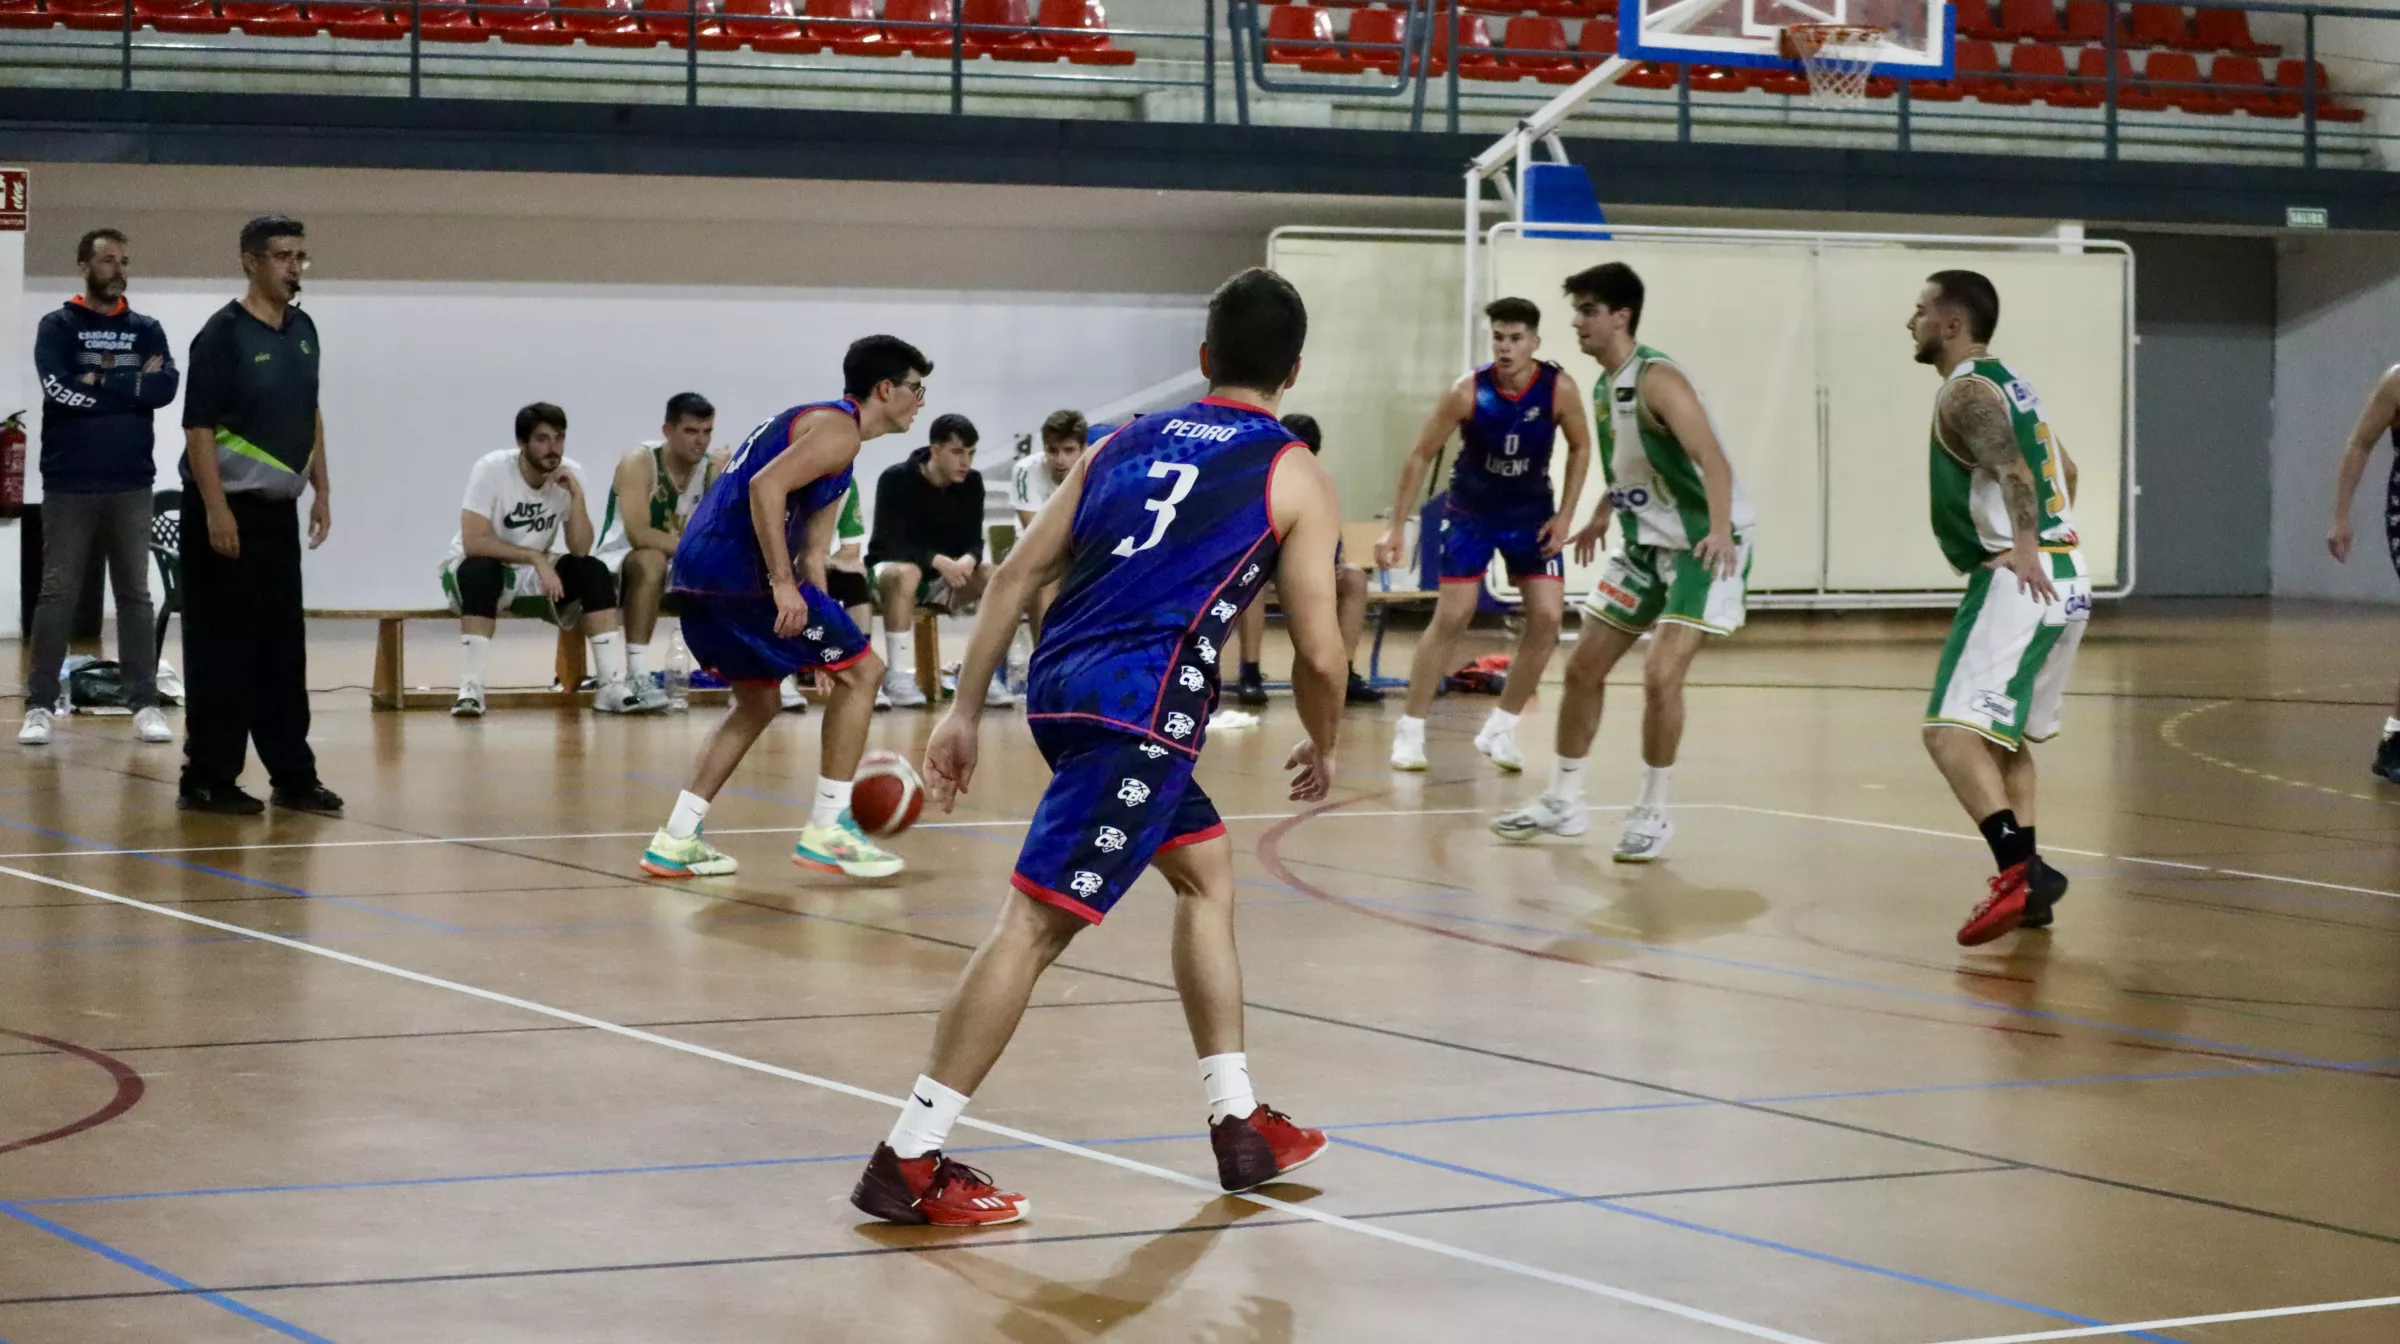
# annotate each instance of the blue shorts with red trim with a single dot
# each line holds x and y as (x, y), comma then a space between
(1115, 801)
(733, 635)
(1468, 544)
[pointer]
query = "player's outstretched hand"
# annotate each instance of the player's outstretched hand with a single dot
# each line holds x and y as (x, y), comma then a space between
(2337, 540)
(791, 610)
(1315, 777)
(1587, 542)
(1718, 552)
(950, 760)
(2027, 566)
(1388, 547)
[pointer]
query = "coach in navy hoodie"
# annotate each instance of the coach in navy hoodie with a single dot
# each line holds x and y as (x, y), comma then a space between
(104, 370)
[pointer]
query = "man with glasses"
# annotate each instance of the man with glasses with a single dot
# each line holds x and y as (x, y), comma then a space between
(253, 439)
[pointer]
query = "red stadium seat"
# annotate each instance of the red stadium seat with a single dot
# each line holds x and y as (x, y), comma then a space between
(90, 15)
(2228, 30)
(671, 20)
(2029, 21)
(1537, 46)
(2042, 71)
(1724, 79)
(452, 22)
(2087, 21)
(267, 18)
(917, 41)
(850, 28)
(1375, 39)
(994, 26)
(1475, 36)
(2293, 75)
(2092, 63)
(604, 23)
(1328, 60)
(1078, 30)
(1934, 91)
(359, 20)
(1975, 21)
(1649, 75)
(1978, 75)
(1297, 33)
(2240, 83)
(2181, 67)
(525, 22)
(24, 14)
(181, 16)
(1596, 43)
(2157, 26)
(770, 26)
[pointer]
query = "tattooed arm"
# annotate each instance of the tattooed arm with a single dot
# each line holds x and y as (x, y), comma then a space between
(1975, 421)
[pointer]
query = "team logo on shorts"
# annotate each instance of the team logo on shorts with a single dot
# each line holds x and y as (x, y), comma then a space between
(1208, 653)
(1179, 726)
(1994, 706)
(1084, 883)
(813, 632)
(1224, 611)
(1153, 750)
(1191, 678)
(1133, 793)
(1110, 839)
(1250, 574)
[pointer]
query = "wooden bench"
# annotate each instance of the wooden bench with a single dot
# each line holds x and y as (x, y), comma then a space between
(389, 689)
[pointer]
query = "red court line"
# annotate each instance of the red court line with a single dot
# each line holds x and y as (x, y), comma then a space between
(129, 1090)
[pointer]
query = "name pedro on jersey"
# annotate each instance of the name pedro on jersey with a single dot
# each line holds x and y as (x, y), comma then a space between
(1193, 429)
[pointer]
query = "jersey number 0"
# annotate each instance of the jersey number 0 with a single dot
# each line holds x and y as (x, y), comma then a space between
(1184, 474)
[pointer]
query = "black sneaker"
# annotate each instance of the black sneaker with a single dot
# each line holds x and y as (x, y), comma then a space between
(314, 798)
(2387, 759)
(223, 799)
(1250, 689)
(2045, 886)
(1360, 693)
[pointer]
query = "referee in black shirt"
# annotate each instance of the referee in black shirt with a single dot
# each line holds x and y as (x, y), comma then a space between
(253, 436)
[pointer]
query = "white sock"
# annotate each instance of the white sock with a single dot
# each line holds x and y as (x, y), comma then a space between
(833, 799)
(1566, 779)
(900, 651)
(684, 822)
(1226, 1079)
(1409, 728)
(2391, 726)
(1654, 786)
(925, 1118)
(636, 655)
(608, 657)
(1502, 721)
(478, 651)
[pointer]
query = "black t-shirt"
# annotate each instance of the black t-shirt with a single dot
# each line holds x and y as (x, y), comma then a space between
(256, 388)
(916, 520)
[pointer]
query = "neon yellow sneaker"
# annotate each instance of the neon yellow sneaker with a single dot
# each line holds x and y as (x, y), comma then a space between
(842, 848)
(670, 857)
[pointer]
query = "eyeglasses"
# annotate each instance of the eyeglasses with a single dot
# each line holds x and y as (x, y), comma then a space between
(916, 389)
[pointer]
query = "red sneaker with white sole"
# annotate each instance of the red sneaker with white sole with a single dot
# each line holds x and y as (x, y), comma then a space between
(2002, 911)
(932, 1189)
(1259, 1147)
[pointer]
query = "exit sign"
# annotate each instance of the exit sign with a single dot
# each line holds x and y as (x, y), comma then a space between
(12, 200)
(2306, 217)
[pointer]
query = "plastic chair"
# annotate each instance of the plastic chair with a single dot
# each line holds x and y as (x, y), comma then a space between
(524, 22)
(2228, 30)
(1934, 91)
(181, 16)
(359, 20)
(766, 25)
(91, 16)
(1539, 47)
(265, 18)
(1975, 21)
(2092, 63)
(1596, 43)
(850, 28)
(2293, 75)
(2029, 21)
(1002, 24)
(1726, 79)
(2181, 67)
(604, 23)
(1297, 33)
(2041, 70)
(1078, 30)
(24, 14)
(447, 23)
(166, 543)
(1375, 39)
(1474, 37)
(927, 41)
(671, 21)
(2157, 26)
(2241, 83)
(2086, 21)
(1979, 76)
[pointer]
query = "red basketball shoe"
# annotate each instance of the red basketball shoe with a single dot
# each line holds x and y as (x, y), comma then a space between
(2002, 911)
(1256, 1148)
(932, 1189)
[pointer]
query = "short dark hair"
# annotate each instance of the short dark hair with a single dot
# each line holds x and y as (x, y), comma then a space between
(1616, 287)
(1524, 312)
(535, 416)
(952, 425)
(1971, 294)
(256, 233)
(86, 245)
(874, 360)
(689, 406)
(1306, 430)
(1256, 326)
(1065, 425)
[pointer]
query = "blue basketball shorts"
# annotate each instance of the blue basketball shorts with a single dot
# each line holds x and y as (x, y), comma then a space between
(733, 635)
(1115, 802)
(1469, 543)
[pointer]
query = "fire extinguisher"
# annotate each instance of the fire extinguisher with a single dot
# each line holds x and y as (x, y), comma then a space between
(12, 466)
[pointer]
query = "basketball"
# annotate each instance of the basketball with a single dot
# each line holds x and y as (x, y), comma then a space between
(887, 797)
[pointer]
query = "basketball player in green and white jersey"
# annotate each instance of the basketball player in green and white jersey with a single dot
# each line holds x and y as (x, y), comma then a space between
(657, 486)
(2002, 512)
(1683, 573)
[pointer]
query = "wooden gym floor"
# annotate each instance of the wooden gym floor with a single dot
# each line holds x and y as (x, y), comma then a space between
(447, 1069)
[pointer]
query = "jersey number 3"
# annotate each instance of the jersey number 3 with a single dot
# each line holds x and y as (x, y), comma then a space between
(1184, 474)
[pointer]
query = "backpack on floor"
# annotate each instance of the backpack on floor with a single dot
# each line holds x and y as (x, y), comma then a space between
(1484, 676)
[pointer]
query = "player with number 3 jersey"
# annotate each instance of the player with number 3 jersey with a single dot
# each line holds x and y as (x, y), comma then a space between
(1158, 537)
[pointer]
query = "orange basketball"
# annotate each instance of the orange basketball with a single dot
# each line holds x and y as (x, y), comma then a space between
(887, 796)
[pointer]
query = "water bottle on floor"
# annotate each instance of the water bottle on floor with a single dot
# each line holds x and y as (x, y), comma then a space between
(679, 674)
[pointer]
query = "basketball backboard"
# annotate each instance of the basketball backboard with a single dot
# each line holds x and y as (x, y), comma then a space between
(1917, 34)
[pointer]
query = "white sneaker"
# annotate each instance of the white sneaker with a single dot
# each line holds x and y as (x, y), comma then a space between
(1545, 815)
(1499, 745)
(883, 700)
(150, 725)
(792, 698)
(649, 697)
(616, 697)
(469, 704)
(170, 684)
(900, 688)
(36, 732)
(1408, 752)
(999, 694)
(1647, 831)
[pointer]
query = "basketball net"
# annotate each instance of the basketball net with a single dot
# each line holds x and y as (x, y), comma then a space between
(1837, 57)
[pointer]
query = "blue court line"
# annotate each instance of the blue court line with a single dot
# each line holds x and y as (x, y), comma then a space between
(1818, 977)
(172, 1280)
(1744, 1238)
(165, 861)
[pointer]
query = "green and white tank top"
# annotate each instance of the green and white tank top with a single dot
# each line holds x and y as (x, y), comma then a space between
(670, 508)
(1970, 514)
(1654, 485)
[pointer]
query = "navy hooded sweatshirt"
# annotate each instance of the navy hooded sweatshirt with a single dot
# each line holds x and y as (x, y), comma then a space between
(96, 401)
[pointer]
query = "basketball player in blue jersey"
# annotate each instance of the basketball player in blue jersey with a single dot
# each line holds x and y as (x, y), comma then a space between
(1507, 414)
(749, 577)
(1158, 537)
(2379, 417)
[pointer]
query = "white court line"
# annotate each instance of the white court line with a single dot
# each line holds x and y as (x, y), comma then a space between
(1302, 1211)
(2089, 1332)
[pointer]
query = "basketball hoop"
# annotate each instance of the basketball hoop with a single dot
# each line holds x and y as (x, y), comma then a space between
(1838, 59)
